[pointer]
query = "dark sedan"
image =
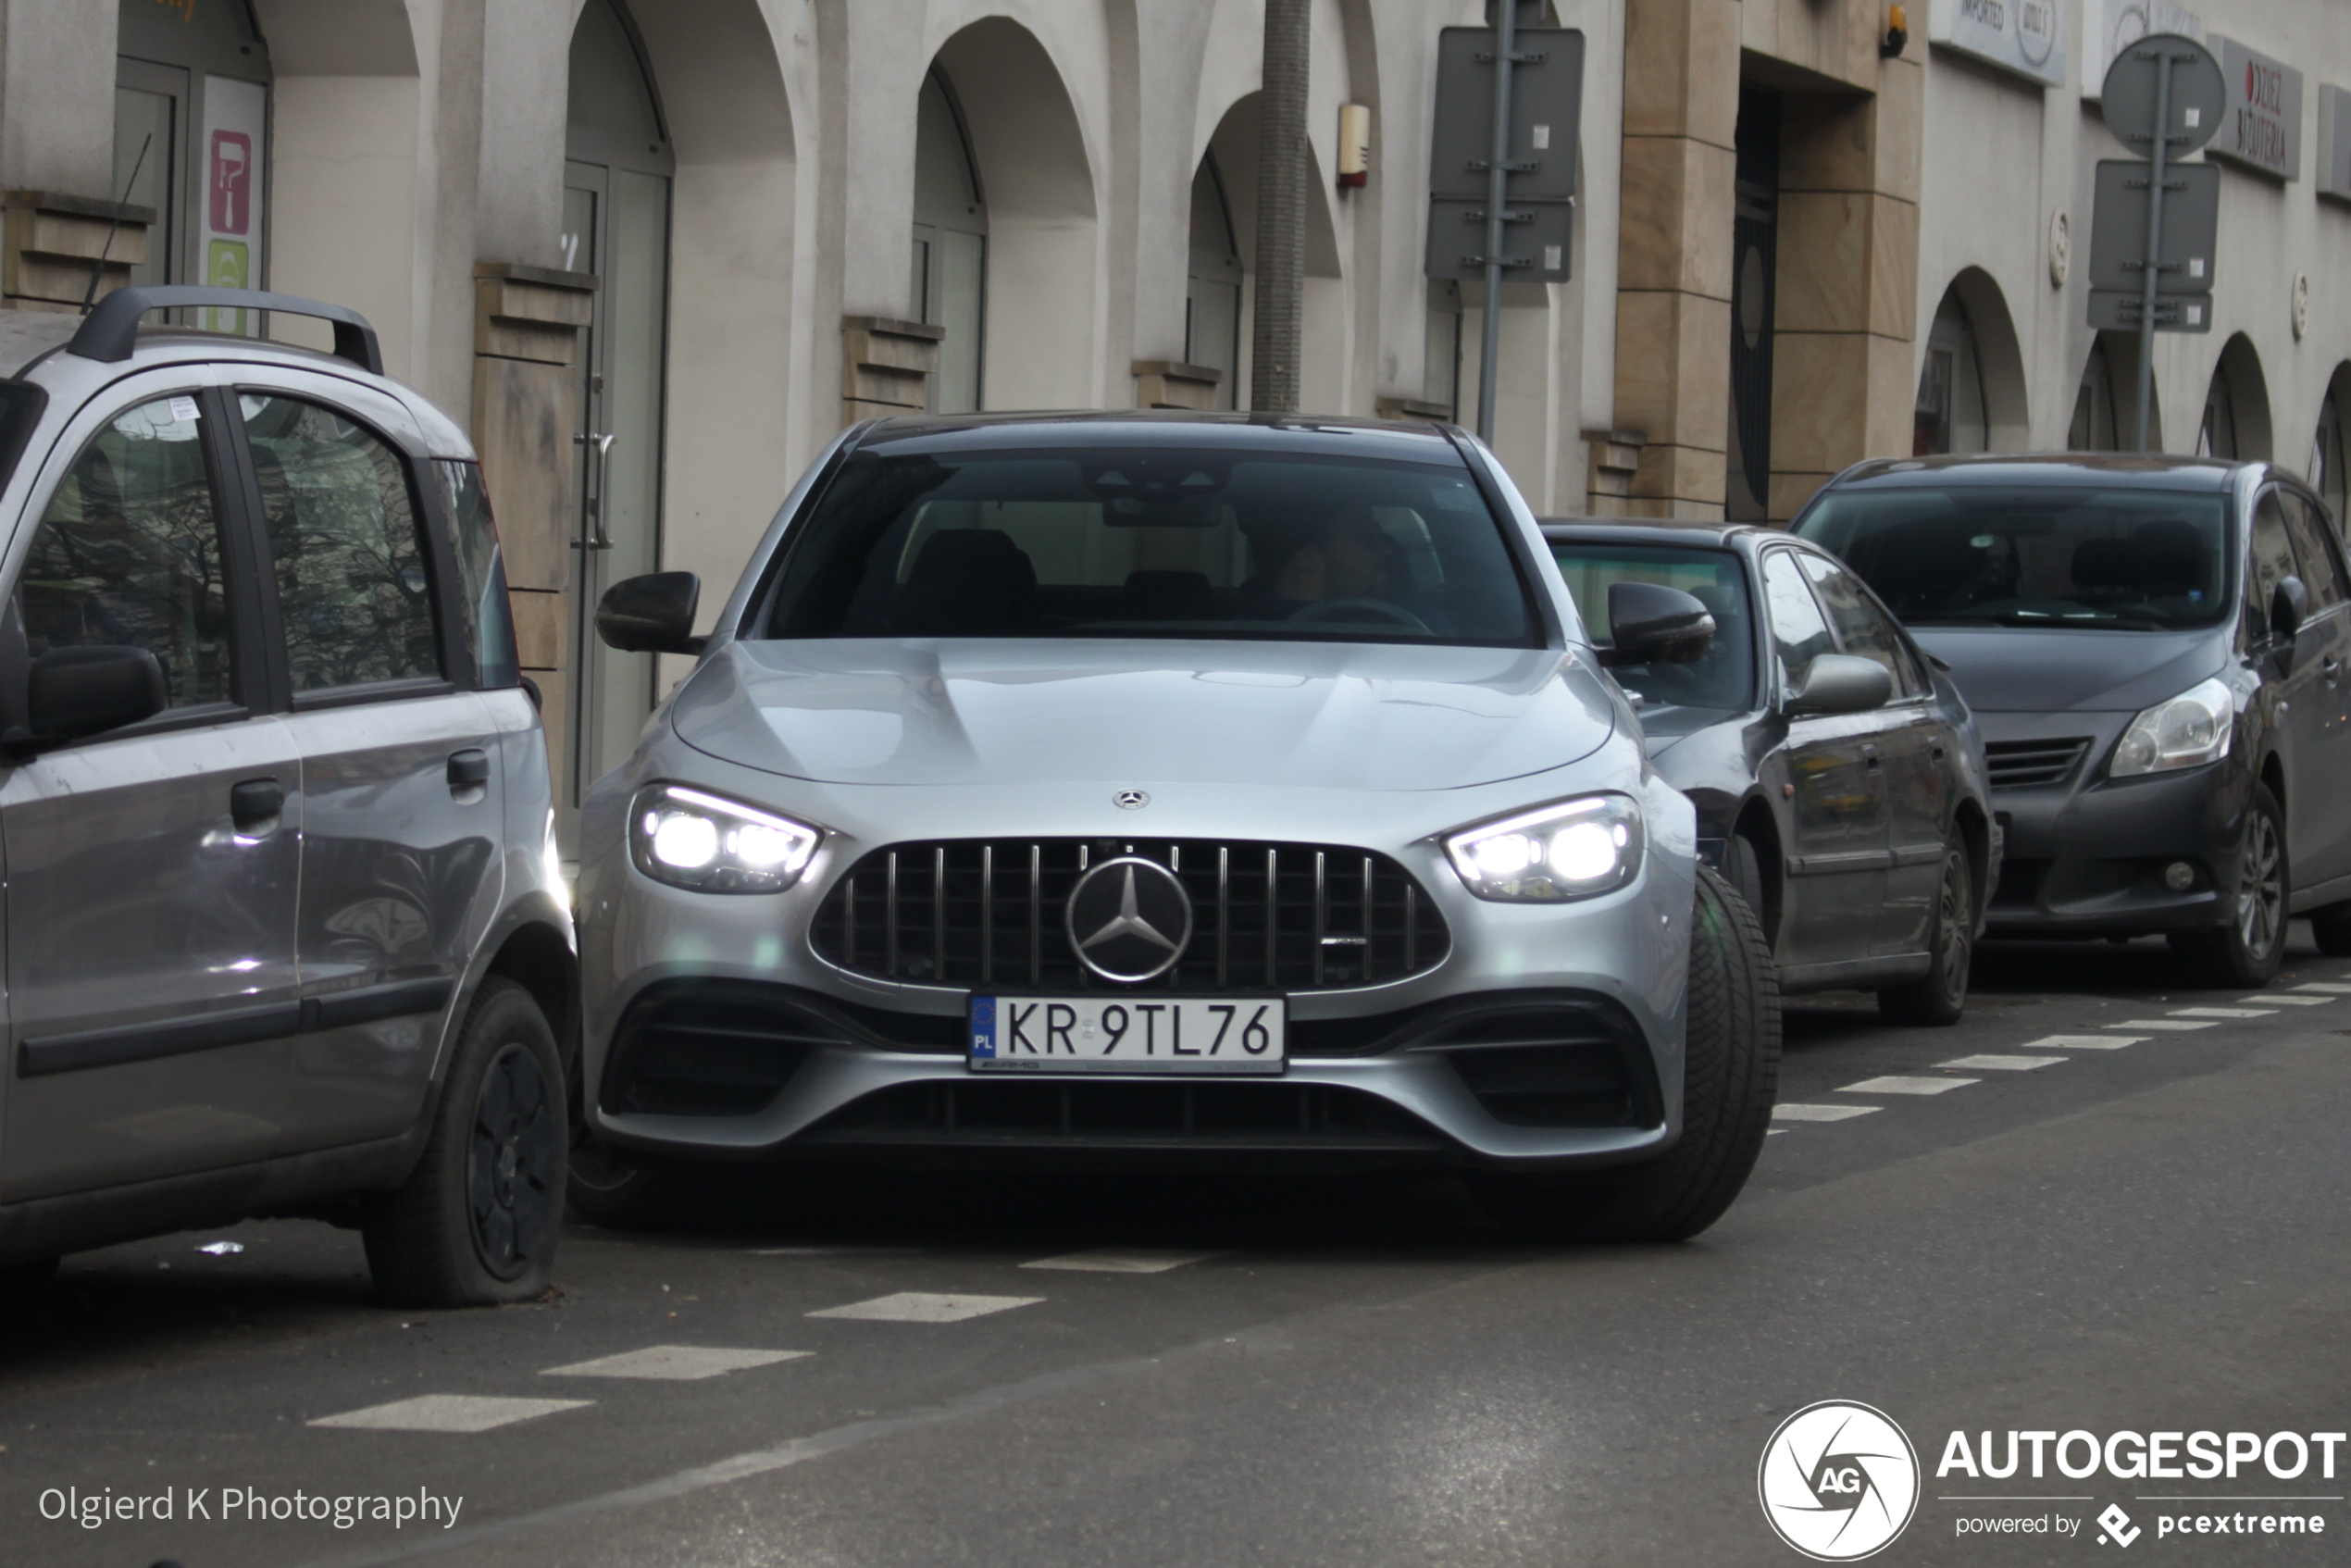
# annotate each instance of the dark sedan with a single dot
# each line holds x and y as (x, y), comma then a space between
(2156, 646)
(1838, 777)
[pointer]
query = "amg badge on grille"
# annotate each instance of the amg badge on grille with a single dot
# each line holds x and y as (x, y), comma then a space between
(1129, 919)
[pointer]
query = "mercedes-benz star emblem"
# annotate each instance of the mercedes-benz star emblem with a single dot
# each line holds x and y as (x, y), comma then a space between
(1131, 800)
(1129, 919)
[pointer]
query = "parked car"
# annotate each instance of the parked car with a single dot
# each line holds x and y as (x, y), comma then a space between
(2155, 647)
(1838, 777)
(284, 933)
(1188, 791)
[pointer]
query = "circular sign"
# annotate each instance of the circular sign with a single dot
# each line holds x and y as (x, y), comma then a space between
(1838, 1481)
(2199, 95)
(1129, 919)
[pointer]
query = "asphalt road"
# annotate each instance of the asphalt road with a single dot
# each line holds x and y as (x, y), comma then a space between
(2125, 1237)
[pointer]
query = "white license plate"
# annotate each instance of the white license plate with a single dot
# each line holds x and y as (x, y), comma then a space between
(1126, 1034)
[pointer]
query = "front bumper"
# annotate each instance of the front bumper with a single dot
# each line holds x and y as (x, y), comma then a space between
(1550, 1037)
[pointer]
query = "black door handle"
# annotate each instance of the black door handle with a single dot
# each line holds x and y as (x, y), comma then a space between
(255, 801)
(469, 769)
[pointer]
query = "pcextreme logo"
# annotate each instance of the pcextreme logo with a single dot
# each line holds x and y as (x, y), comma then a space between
(1838, 1481)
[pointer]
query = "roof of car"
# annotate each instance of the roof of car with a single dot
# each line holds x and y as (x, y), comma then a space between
(1156, 427)
(1687, 532)
(2105, 469)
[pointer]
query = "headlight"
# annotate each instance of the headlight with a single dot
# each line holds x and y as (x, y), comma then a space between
(2189, 730)
(1574, 850)
(690, 839)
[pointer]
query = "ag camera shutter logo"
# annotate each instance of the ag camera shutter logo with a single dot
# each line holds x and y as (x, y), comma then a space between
(1838, 1481)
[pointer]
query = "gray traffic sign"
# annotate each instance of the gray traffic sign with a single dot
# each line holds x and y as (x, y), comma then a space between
(2119, 227)
(1536, 240)
(2199, 96)
(2118, 310)
(1547, 99)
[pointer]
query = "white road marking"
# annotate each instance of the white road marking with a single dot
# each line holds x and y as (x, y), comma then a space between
(2328, 986)
(1996, 1063)
(2277, 999)
(1897, 1084)
(674, 1364)
(2172, 1024)
(2083, 1042)
(1122, 1260)
(2224, 1013)
(449, 1412)
(1774, 1132)
(825, 1251)
(1786, 1113)
(918, 1306)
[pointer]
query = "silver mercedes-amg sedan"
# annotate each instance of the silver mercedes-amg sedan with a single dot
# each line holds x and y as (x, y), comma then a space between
(1139, 789)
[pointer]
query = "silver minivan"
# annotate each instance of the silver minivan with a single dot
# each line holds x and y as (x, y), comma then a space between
(283, 927)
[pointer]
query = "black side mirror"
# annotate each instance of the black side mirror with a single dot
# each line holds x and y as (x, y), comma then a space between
(1652, 624)
(1841, 683)
(76, 691)
(2289, 607)
(653, 614)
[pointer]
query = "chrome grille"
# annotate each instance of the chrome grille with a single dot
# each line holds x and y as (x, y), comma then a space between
(2020, 764)
(1265, 916)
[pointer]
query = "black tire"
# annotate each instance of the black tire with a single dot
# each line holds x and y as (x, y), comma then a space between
(1743, 867)
(614, 1189)
(22, 1282)
(477, 1220)
(2248, 949)
(1730, 1076)
(2331, 927)
(1939, 997)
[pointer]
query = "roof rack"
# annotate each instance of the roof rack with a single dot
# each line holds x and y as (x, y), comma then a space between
(111, 330)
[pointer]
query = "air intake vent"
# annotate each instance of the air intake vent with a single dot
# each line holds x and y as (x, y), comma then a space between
(1265, 916)
(2026, 765)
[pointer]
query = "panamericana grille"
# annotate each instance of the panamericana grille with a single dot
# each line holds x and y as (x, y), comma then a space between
(1264, 916)
(2020, 764)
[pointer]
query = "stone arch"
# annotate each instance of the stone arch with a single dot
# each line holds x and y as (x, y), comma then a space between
(1232, 144)
(1036, 180)
(1971, 381)
(2237, 407)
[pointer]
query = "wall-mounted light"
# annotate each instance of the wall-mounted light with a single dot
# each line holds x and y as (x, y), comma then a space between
(1898, 34)
(1355, 146)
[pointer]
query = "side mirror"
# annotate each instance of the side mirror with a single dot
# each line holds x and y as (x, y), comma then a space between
(75, 692)
(1654, 625)
(2289, 607)
(1841, 683)
(653, 614)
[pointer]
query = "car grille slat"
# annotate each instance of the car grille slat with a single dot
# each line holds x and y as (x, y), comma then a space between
(1265, 916)
(2018, 764)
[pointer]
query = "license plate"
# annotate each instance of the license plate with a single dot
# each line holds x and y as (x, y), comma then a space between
(1115, 1034)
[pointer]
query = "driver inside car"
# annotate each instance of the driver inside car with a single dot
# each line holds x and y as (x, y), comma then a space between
(1343, 554)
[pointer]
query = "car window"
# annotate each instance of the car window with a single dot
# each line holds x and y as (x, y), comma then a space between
(129, 552)
(353, 589)
(1861, 629)
(1105, 541)
(481, 571)
(2322, 570)
(1725, 677)
(2272, 563)
(1799, 632)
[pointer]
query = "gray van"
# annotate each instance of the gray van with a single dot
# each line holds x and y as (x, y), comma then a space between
(283, 927)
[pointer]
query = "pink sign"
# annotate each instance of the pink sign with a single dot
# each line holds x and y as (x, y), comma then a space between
(231, 182)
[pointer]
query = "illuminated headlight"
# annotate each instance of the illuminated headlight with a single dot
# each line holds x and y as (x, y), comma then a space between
(690, 839)
(1574, 850)
(2191, 730)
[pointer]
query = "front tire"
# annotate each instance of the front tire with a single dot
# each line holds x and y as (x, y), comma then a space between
(1730, 1076)
(2246, 953)
(2331, 927)
(477, 1221)
(1939, 997)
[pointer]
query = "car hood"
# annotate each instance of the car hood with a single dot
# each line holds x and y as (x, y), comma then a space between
(991, 711)
(2024, 670)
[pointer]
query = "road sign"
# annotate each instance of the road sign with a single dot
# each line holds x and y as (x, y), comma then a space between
(2117, 310)
(2119, 227)
(1546, 96)
(2199, 95)
(1536, 243)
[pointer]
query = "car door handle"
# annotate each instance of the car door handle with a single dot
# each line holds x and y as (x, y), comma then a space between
(255, 801)
(2332, 667)
(469, 769)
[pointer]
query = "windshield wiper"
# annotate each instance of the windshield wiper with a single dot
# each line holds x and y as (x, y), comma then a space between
(2100, 620)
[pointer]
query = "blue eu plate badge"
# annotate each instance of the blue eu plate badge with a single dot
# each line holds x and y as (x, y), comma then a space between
(983, 1028)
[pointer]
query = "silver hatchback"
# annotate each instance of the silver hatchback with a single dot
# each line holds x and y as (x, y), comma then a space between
(284, 929)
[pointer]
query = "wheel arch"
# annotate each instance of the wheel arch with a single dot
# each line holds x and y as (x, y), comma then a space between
(1976, 830)
(1756, 823)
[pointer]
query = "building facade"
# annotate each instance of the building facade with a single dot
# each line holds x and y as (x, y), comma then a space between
(657, 253)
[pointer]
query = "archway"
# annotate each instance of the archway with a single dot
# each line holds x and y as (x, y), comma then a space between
(1032, 180)
(1972, 386)
(1233, 150)
(2237, 407)
(1213, 283)
(950, 282)
(2328, 469)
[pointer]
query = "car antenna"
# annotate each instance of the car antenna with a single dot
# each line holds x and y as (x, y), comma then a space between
(90, 294)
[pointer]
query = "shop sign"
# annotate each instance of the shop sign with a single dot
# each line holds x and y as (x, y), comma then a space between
(2262, 127)
(2023, 36)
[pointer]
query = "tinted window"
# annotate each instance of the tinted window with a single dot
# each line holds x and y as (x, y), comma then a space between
(1725, 678)
(481, 571)
(2059, 556)
(129, 552)
(353, 589)
(2321, 571)
(1799, 632)
(1150, 543)
(1862, 627)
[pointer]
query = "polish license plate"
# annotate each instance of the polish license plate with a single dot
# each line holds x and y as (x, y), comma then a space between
(1128, 1034)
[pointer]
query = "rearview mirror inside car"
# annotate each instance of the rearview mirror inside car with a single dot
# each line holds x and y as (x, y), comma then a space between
(1652, 624)
(76, 691)
(1841, 683)
(653, 614)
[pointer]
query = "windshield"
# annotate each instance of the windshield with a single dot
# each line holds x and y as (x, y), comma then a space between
(1105, 541)
(1725, 677)
(2136, 560)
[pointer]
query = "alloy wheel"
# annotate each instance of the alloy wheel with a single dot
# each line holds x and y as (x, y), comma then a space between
(2262, 892)
(514, 1178)
(1952, 922)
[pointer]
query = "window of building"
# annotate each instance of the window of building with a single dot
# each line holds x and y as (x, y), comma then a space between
(2218, 435)
(1212, 290)
(1951, 415)
(950, 281)
(2326, 473)
(2094, 428)
(1441, 380)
